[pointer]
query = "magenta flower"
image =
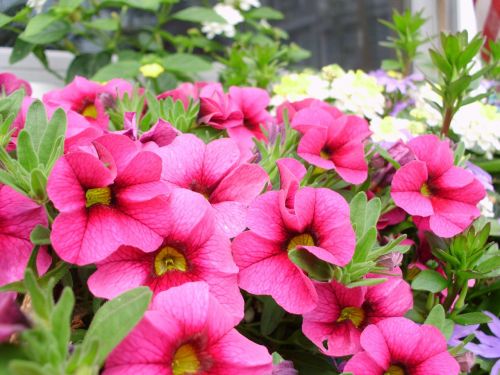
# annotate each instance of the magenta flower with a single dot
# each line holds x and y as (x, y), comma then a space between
(215, 170)
(106, 198)
(12, 319)
(184, 92)
(336, 143)
(192, 250)
(217, 109)
(293, 107)
(89, 99)
(253, 103)
(10, 82)
(18, 216)
(317, 115)
(434, 191)
(187, 332)
(161, 134)
(315, 220)
(398, 346)
(342, 313)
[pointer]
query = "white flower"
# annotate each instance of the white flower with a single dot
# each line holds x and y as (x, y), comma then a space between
(486, 207)
(423, 110)
(359, 93)
(389, 129)
(37, 5)
(245, 5)
(232, 17)
(478, 125)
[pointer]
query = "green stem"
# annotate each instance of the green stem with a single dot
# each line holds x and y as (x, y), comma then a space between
(463, 293)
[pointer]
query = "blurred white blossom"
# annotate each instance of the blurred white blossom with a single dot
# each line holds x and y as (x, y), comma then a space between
(423, 110)
(232, 17)
(392, 129)
(37, 5)
(245, 5)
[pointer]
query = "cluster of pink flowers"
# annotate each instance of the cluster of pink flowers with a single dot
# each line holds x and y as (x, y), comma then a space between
(196, 221)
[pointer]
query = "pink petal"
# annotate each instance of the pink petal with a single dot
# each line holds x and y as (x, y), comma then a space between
(432, 343)
(290, 168)
(471, 193)
(264, 217)
(406, 186)
(135, 172)
(309, 118)
(141, 192)
(402, 337)
(125, 269)
(436, 154)
(363, 364)
(220, 157)
(310, 147)
(349, 162)
(443, 363)
(373, 342)
(391, 298)
(121, 148)
(453, 178)
(183, 160)
(234, 354)
(278, 277)
(230, 217)
(243, 184)
(451, 217)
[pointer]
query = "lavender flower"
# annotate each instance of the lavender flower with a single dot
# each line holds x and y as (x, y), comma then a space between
(393, 81)
(489, 345)
(11, 318)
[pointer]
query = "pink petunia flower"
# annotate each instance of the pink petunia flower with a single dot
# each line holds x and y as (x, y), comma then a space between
(106, 198)
(19, 215)
(184, 92)
(12, 319)
(161, 134)
(187, 332)
(253, 103)
(217, 109)
(398, 346)
(294, 107)
(10, 82)
(336, 143)
(342, 313)
(89, 99)
(315, 220)
(214, 170)
(192, 250)
(316, 115)
(432, 190)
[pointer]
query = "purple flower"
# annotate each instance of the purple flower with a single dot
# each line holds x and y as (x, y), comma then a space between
(393, 84)
(11, 318)
(284, 368)
(489, 345)
(460, 332)
(483, 176)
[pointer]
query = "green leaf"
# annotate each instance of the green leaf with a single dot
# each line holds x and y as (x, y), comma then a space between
(39, 300)
(104, 24)
(265, 13)
(471, 318)
(20, 51)
(271, 317)
(115, 319)
(468, 54)
(430, 281)
(36, 123)
(389, 64)
(367, 282)
(441, 63)
(45, 28)
(87, 64)
(198, 14)
(9, 352)
(186, 63)
(55, 129)
(26, 154)
(459, 85)
(39, 185)
(316, 268)
(21, 367)
(436, 317)
(364, 245)
(61, 320)
(69, 5)
(127, 69)
(4, 19)
(364, 214)
(40, 235)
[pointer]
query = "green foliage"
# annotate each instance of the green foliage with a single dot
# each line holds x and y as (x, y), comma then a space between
(46, 345)
(455, 64)
(39, 145)
(408, 38)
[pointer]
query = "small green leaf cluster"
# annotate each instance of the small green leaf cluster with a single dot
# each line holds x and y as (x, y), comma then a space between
(48, 348)
(39, 145)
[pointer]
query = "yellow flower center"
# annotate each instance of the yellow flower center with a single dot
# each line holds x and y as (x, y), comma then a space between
(90, 111)
(185, 361)
(394, 370)
(169, 259)
(325, 155)
(98, 196)
(355, 314)
(304, 239)
(425, 191)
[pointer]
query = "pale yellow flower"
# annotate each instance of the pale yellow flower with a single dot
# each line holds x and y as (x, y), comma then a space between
(152, 70)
